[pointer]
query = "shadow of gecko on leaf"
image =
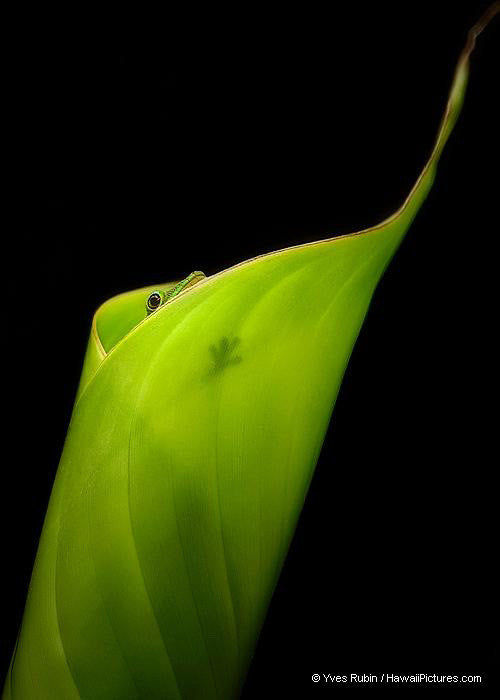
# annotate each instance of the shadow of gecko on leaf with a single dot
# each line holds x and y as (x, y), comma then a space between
(223, 354)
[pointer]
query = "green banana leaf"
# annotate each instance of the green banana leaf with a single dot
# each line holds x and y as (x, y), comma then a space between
(193, 440)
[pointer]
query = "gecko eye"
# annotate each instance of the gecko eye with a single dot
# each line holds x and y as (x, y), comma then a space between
(155, 300)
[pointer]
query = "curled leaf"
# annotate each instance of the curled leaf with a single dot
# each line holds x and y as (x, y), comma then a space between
(192, 443)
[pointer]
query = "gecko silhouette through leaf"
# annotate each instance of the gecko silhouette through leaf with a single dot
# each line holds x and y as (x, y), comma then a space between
(223, 354)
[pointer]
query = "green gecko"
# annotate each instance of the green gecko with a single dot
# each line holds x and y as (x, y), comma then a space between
(159, 298)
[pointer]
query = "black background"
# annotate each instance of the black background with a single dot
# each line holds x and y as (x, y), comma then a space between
(145, 149)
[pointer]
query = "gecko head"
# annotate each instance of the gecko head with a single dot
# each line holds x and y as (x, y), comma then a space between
(119, 315)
